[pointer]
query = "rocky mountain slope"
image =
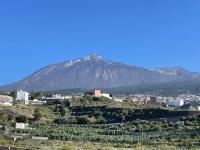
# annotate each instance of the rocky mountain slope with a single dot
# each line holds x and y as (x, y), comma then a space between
(96, 72)
(177, 72)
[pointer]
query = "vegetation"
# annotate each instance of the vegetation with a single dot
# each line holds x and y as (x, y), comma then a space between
(161, 89)
(89, 122)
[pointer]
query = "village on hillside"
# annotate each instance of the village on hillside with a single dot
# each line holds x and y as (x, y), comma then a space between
(183, 101)
(25, 115)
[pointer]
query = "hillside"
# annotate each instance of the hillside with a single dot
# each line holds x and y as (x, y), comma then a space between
(163, 89)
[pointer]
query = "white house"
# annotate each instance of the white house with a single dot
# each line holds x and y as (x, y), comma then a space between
(22, 96)
(106, 95)
(68, 97)
(37, 102)
(21, 125)
(176, 103)
(58, 96)
(53, 98)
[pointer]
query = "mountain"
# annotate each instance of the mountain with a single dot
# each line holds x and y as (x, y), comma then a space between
(178, 73)
(96, 72)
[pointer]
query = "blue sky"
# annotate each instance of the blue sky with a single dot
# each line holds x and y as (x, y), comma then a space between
(148, 33)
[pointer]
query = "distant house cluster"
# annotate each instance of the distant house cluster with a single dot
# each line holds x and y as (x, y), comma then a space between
(185, 100)
(22, 97)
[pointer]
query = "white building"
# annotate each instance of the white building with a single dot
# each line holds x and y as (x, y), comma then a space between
(58, 96)
(21, 125)
(22, 96)
(68, 97)
(106, 95)
(54, 97)
(176, 103)
(37, 102)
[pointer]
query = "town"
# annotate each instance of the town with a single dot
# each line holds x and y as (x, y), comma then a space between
(39, 117)
(182, 102)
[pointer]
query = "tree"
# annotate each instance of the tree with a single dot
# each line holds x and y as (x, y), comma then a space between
(157, 128)
(21, 119)
(12, 94)
(188, 144)
(67, 103)
(3, 117)
(88, 93)
(83, 120)
(37, 114)
(35, 95)
(62, 110)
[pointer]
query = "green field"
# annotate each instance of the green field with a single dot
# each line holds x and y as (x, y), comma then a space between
(100, 124)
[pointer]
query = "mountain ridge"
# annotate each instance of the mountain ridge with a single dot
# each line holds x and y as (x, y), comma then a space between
(96, 72)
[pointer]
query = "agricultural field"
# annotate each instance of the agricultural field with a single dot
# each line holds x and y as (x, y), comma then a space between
(92, 124)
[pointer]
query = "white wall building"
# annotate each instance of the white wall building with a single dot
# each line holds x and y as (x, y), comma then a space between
(37, 102)
(59, 96)
(176, 103)
(106, 95)
(21, 125)
(68, 97)
(54, 97)
(22, 96)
